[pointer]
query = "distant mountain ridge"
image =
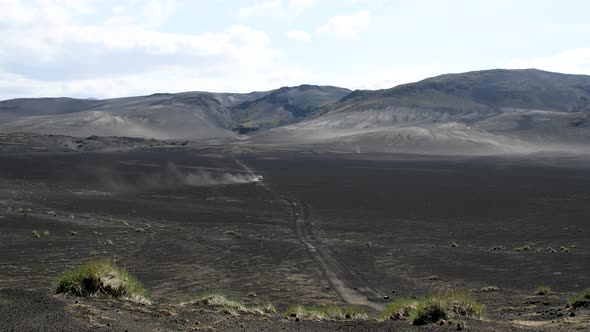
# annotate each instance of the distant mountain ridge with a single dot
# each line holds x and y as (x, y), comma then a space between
(491, 111)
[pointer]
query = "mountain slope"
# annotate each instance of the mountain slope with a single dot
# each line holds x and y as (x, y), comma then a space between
(495, 111)
(285, 105)
(482, 112)
(183, 115)
(481, 90)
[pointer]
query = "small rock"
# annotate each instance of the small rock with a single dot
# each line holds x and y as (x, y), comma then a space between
(51, 213)
(454, 245)
(386, 297)
(460, 325)
(74, 233)
(297, 319)
(293, 314)
(572, 314)
(347, 316)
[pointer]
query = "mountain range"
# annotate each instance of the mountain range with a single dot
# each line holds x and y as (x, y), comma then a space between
(481, 112)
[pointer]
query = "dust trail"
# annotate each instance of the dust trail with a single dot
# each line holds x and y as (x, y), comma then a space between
(208, 178)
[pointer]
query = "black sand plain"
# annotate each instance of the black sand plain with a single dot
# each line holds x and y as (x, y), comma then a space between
(321, 228)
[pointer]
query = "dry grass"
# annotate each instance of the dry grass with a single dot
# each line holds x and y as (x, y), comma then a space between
(100, 278)
(230, 306)
(331, 312)
(543, 290)
(581, 299)
(443, 304)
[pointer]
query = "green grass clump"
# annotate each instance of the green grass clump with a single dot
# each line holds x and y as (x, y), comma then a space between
(435, 307)
(331, 312)
(230, 306)
(543, 290)
(399, 309)
(97, 278)
(581, 299)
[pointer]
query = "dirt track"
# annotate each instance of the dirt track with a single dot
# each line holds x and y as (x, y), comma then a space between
(348, 285)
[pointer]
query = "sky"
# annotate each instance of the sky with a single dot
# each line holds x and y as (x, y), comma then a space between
(115, 48)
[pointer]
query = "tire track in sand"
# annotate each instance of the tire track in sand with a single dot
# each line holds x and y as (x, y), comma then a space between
(348, 284)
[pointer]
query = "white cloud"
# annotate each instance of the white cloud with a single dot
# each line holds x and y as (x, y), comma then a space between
(298, 35)
(47, 50)
(278, 8)
(346, 26)
(260, 8)
(159, 10)
(387, 77)
(575, 61)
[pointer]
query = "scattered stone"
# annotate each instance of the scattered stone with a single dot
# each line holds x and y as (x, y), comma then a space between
(45, 233)
(108, 242)
(35, 234)
(454, 245)
(140, 230)
(51, 213)
(74, 233)
(252, 294)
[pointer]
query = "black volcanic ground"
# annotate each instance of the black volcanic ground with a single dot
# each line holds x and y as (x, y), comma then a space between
(385, 222)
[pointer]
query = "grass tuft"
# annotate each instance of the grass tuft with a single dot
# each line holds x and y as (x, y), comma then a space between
(100, 278)
(490, 289)
(399, 309)
(443, 304)
(581, 299)
(543, 290)
(331, 312)
(523, 248)
(230, 306)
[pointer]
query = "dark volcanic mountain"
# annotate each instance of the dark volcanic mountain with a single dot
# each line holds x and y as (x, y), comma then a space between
(480, 90)
(493, 111)
(286, 105)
